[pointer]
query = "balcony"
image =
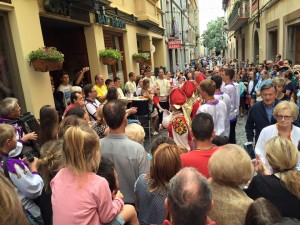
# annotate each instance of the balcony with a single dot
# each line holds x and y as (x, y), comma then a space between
(239, 15)
(147, 13)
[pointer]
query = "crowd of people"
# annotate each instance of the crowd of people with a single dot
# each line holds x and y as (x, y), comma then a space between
(92, 166)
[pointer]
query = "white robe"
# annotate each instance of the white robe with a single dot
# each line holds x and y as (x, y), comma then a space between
(233, 91)
(218, 111)
(225, 97)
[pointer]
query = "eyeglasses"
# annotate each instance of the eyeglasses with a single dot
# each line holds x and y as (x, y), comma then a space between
(280, 117)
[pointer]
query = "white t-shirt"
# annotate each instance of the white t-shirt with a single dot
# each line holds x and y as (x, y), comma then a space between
(66, 90)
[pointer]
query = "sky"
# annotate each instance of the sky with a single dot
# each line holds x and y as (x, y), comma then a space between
(209, 10)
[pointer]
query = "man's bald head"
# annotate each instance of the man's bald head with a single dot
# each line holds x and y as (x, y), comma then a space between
(189, 195)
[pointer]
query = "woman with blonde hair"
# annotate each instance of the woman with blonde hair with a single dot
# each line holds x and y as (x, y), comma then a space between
(151, 189)
(282, 188)
(285, 113)
(11, 212)
(230, 168)
(79, 195)
(49, 164)
(135, 132)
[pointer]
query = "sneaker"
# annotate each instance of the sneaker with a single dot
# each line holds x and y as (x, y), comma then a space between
(154, 133)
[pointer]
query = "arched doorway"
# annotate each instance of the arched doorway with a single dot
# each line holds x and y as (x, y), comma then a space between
(256, 45)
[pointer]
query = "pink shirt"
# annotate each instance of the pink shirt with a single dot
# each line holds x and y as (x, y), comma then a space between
(82, 199)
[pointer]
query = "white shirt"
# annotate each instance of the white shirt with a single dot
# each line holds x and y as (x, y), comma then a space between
(250, 86)
(66, 90)
(163, 85)
(218, 111)
(269, 132)
(121, 94)
(151, 79)
(130, 86)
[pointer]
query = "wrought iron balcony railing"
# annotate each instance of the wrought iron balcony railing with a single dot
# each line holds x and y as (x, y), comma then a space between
(239, 14)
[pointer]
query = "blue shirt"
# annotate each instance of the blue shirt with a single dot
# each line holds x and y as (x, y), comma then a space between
(269, 111)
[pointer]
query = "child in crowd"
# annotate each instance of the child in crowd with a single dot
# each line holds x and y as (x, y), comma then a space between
(107, 170)
(79, 196)
(22, 173)
(11, 212)
(100, 126)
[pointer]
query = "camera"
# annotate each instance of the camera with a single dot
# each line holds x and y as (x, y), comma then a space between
(29, 156)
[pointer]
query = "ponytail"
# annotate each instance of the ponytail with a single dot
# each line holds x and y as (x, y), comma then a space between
(291, 179)
(79, 149)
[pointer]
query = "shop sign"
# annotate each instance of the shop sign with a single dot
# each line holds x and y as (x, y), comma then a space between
(174, 44)
(66, 9)
(110, 21)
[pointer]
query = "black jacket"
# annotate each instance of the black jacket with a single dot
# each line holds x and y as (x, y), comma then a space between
(257, 120)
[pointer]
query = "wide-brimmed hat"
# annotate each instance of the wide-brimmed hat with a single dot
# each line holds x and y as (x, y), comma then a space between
(200, 77)
(177, 98)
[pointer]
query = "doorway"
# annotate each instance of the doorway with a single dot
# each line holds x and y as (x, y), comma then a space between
(272, 44)
(256, 47)
(70, 40)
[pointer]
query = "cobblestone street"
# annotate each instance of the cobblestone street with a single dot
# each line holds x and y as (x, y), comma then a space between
(240, 130)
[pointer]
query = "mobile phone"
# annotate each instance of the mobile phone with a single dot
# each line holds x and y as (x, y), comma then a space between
(248, 146)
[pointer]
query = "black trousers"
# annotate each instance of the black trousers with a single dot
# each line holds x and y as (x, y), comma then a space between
(164, 105)
(232, 138)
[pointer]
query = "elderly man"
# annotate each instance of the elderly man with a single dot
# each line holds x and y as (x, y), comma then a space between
(100, 88)
(9, 113)
(189, 199)
(270, 70)
(261, 113)
(129, 157)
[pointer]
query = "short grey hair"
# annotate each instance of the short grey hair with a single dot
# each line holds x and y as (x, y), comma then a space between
(7, 105)
(189, 195)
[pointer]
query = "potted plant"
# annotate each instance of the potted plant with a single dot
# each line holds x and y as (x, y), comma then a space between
(46, 59)
(140, 57)
(110, 56)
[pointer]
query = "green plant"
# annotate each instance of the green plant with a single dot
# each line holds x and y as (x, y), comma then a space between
(111, 53)
(145, 56)
(46, 53)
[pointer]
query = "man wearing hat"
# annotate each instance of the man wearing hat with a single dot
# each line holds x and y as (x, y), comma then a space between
(176, 123)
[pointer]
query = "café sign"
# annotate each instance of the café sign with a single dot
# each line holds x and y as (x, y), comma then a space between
(66, 9)
(173, 44)
(110, 21)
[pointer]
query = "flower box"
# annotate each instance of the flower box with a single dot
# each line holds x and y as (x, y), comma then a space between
(108, 60)
(110, 56)
(46, 59)
(140, 57)
(42, 65)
